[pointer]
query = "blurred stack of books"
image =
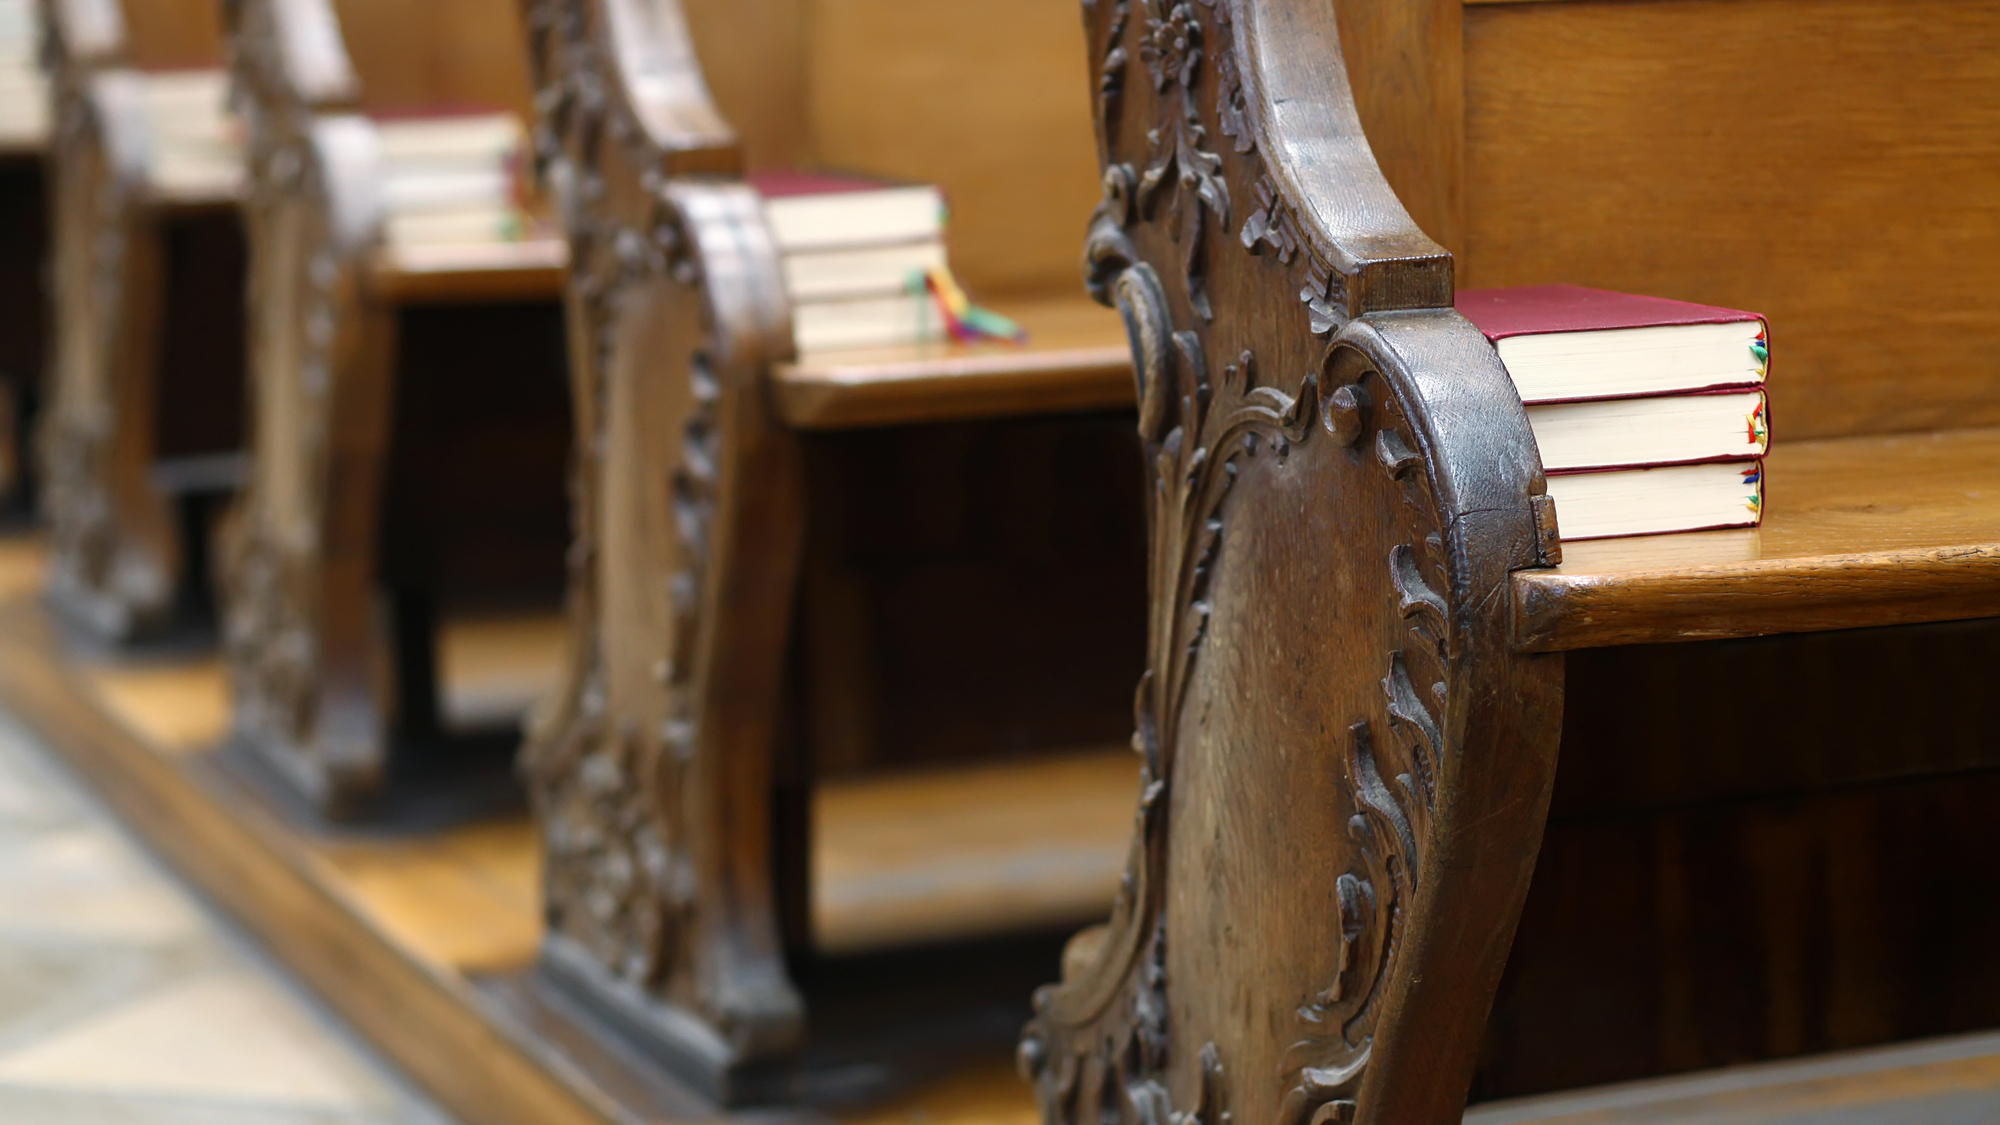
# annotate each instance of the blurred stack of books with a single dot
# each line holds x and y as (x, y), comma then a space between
(24, 94)
(1649, 413)
(453, 179)
(196, 142)
(859, 258)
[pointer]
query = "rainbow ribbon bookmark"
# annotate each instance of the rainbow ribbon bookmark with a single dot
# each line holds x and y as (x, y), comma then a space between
(967, 322)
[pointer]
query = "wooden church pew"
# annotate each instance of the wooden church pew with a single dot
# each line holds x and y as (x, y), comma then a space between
(410, 422)
(797, 568)
(24, 146)
(1769, 833)
(141, 436)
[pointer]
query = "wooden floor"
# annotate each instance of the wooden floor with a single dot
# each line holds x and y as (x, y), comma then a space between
(897, 860)
(400, 932)
(416, 938)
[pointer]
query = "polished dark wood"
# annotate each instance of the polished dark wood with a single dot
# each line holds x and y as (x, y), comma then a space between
(1073, 367)
(793, 568)
(1368, 642)
(1700, 149)
(1859, 531)
(1941, 1082)
(410, 416)
(1347, 765)
(143, 426)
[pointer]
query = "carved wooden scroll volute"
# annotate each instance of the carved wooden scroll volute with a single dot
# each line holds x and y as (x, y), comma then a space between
(1344, 768)
(651, 771)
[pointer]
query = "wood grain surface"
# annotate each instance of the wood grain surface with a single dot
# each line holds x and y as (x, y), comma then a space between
(1405, 61)
(532, 269)
(441, 55)
(992, 108)
(173, 34)
(753, 58)
(1762, 154)
(1942, 1082)
(1075, 358)
(1857, 532)
(951, 853)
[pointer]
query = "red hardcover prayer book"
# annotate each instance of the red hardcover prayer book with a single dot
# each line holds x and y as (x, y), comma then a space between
(1564, 342)
(1649, 413)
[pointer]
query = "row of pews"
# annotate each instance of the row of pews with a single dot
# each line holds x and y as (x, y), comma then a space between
(621, 715)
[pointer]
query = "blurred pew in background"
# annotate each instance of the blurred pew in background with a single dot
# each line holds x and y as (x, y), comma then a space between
(407, 384)
(143, 427)
(795, 569)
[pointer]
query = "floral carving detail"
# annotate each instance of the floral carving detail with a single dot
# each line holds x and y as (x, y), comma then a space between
(1324, 294)
(1171, 48)
(1173, 45)
(1101, 1055)
(1232, 107)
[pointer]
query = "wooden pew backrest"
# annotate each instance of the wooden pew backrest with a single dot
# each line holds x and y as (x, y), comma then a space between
(992, 107)
(1828, 164)
(438, 55)
(173, 34)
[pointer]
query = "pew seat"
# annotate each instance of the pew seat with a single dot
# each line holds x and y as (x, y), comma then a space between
(1075, 358)
(531, 269)
(1858, 531)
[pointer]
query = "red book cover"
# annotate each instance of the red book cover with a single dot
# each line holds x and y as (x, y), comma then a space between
(1530, 310)
(784, 183)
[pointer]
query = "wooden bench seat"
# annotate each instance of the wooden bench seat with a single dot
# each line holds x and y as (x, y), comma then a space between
(1860, 531)
(1075, 358)
(528, 270)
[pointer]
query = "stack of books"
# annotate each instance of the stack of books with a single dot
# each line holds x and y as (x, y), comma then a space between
(196, 143)
(858, 256)
(1650, 414)
(453, 179)
(24, 93)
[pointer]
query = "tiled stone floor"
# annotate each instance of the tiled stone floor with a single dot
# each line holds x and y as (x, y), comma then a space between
(122, 1000)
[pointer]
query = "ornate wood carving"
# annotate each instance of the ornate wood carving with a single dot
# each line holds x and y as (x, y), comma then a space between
(304, 643)
(114, 558)
(651, 772)
(1344, 766)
